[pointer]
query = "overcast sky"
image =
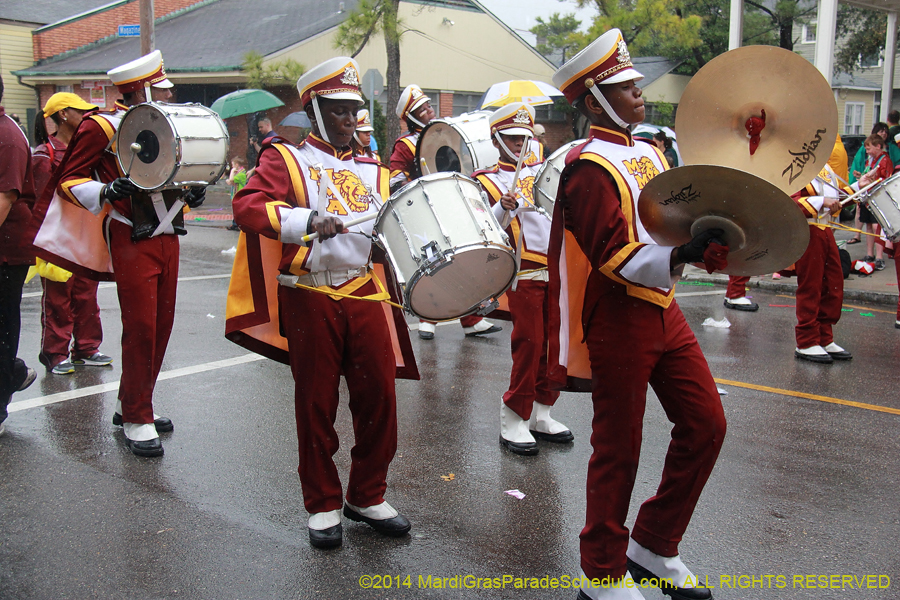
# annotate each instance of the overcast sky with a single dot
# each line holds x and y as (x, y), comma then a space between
(520, 14)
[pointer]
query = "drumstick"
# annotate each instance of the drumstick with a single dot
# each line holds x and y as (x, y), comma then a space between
(852, 197)
(425, 169)
(506, 218)
(370, 217)
(831, 184)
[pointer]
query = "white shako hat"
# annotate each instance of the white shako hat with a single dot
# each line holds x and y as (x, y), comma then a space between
(146, 70)
(513, 119)
(605, 61)
(363, 121)
(411, 98)
(335, 79)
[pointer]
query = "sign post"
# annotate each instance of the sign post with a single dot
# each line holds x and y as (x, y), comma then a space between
(372, 84)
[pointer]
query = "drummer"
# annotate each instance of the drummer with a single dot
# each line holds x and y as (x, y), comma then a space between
(525, 407)
(361, 144)
(633, 334)
(415, 108)
(145, 265)
(331, 329)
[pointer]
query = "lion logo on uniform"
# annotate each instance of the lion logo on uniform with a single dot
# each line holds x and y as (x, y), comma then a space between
(525, 189)
(356, 195)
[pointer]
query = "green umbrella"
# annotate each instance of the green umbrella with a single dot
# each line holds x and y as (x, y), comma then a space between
(244, 102)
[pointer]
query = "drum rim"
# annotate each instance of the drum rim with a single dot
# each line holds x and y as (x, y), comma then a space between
(430, 177)
(419, 273)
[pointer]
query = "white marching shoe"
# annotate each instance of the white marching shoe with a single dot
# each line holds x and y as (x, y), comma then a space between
(426, 330)
(668, 573)
(325, 529)
(544, 427)
(622, 589)
(514, 433)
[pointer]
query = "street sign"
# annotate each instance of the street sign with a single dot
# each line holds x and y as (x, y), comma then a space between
(129, 31)
(372, 83)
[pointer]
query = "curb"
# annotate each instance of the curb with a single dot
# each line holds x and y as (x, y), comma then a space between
(854, 295)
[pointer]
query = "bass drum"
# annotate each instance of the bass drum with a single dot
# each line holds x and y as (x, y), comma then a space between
(449, 254)
(883, 201)
(457, 144)
(166, 146)
(546, 181)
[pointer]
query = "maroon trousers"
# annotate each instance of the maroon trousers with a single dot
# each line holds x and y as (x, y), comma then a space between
(737, 287)
(328, 338)
(69, 314)
(820, 289)
(146, 280)
(632, 343)
(528, 380)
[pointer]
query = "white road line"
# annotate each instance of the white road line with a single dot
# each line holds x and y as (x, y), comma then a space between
(110, 387)
(709, 293)
(112, 284)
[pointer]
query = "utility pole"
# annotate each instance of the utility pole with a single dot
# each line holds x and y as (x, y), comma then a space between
(148, 41)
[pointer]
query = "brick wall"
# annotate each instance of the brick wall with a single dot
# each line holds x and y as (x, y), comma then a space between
(445, 108)
(96, 26)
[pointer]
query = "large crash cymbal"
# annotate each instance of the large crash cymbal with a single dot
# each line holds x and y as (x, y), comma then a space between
(800, 116)
(765, 230)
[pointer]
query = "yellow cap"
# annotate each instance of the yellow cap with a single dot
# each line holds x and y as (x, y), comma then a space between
(62, 100)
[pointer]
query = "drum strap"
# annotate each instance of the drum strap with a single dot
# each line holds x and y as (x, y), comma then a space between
(295, 281)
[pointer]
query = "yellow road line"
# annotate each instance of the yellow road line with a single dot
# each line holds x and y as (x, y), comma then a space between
(763, 388)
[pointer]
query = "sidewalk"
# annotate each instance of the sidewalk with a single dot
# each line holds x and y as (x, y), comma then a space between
(880, 287)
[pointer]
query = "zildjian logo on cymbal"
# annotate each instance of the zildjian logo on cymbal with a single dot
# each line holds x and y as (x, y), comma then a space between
(802, 157)
(685, 195)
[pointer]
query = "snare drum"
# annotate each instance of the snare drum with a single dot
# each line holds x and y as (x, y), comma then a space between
(882, 202)
(459, 144)
(166, 146)
(546, 181)
(447, 249)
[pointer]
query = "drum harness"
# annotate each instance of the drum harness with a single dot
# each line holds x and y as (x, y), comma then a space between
(315, 280)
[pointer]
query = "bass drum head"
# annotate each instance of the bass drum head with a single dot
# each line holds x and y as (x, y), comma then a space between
(457, 289)
(153, 164)
(459, 144)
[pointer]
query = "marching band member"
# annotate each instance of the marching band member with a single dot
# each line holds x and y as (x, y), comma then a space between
(820, 279)
(324, 301)
(612, 301)
(69, 310)
(415, 108)
(525, 407)
(361, 144)
(145, 263)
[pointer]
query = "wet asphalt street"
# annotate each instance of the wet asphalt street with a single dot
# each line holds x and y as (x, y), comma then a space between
(805, 492)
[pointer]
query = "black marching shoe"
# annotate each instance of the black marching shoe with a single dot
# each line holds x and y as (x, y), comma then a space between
(146, 449)
(326, 538)
(741, 304)
(640, 575)
(395, 526)
(162, 424)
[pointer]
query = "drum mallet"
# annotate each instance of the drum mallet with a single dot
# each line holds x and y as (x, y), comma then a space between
(853, 197)
(370, 217)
